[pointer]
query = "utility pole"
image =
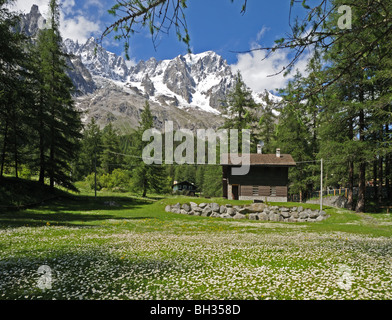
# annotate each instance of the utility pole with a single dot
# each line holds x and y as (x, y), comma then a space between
(95, 172)
(321, 185)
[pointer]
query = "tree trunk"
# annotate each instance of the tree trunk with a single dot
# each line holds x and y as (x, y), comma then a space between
(380, 179)
(375, 179)
(4, 149)
(362, 167)
(350, 196)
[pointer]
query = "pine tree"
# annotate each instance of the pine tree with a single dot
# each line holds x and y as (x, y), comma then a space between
(240, 111)
(59, 122)
(146, 177)
(267, 123)
(90, 151)
(111, 152)
(13, 91)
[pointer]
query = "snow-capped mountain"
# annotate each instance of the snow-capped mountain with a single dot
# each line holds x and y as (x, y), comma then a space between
(188, 90)
(199, 81)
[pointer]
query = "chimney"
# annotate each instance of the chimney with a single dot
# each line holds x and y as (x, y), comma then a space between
(278, 153)
(260, 146)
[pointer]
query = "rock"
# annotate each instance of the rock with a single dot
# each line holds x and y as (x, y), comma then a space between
(284, 209)
(206, 212)
(168, 208)
(215, 215)
(244, 210)
(303, 215)
(202, 205)
(285, 214)
(321, 218)
(314, 214)
(274, 217)
(295, 214)
(177, 206)
(323, 213)
(253, 216)
(186, 207)
(300, 209)
(229, 206)
(182, 211)
(197, 213)
(263, 216)
(215, 207)
(257, 207)
(225, 216)
(294, 209)
(231, 212)
(292, 219)
(193, 205)
(239, 216)
(197, 209)
(222, 209)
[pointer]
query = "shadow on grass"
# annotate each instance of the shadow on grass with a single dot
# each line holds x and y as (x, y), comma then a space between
(74, 211)
(75, 273)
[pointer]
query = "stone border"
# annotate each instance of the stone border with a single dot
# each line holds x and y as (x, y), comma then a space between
(255, 211)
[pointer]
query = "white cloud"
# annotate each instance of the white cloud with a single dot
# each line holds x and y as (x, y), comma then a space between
(73, 24)
(24, 6)
(78, 28)
(259, 71)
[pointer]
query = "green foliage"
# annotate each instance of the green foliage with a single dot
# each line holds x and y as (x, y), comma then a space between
(118, 180)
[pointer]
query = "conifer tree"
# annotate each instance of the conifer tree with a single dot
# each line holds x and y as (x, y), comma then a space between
(146, 177)
(240, 109)
(59, 121)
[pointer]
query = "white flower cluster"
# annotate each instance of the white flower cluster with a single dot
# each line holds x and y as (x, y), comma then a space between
(115, 261)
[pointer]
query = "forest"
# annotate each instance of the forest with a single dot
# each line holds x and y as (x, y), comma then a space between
(339, 111)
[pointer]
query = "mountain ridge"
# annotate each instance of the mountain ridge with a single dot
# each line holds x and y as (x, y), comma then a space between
(188, 89)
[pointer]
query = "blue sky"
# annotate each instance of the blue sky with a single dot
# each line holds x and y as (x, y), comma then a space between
(215, 25)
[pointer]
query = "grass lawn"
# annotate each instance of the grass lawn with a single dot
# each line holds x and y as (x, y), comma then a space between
(123, 247)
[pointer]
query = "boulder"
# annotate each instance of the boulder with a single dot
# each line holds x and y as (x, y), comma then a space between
(202, 205)
(168, 208)
(284, 209)
(229, 206)
(239, 216)
(244, 210)
(253, 216)
(231, 212)
(303, 215)
(257, 207)
(215, 207)
(222, 209)
(215, 215)
(273, 217)
(206, 212)
(186, 207)
(285, 214)
(292, 219)
(263, 216)
(300, 209)
(225, 216)
(314, 214)
(193, 205)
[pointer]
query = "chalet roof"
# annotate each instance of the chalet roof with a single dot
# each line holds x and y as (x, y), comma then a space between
(285, 160)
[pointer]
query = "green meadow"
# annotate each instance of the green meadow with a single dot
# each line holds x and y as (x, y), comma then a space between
(120, 246)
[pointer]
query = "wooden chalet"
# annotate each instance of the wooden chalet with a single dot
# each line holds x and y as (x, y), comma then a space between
(267, 179)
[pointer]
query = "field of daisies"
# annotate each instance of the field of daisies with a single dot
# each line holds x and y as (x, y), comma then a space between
(120, 247)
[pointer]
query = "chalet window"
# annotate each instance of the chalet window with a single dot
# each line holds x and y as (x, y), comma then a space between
(255, 191)
(273, 192)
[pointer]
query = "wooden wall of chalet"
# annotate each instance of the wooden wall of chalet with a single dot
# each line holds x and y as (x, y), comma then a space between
(262, 176)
